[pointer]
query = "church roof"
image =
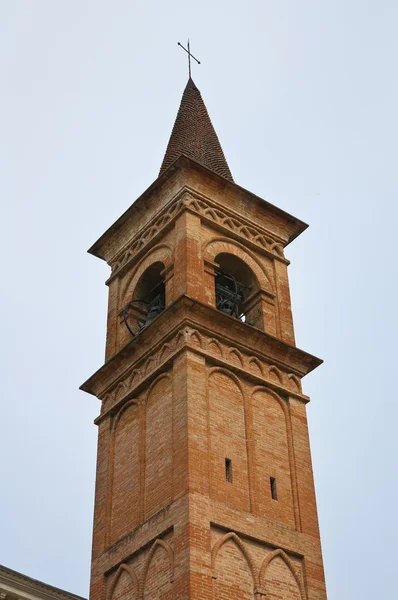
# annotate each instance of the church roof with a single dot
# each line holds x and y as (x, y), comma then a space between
(194, 136)
(14, 585)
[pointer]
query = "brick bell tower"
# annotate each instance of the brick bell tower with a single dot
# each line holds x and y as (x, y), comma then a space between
(204, 484)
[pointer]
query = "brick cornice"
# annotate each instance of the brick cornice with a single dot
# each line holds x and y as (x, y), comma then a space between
(13, 582)
(263, 358)
(182, 165)
(145, 236)
(225, 220)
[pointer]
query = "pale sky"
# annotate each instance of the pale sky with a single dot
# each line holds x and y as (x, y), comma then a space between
(303, 96)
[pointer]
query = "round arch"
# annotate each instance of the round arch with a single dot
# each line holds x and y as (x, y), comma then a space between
(229, 374)
(262, 388)
(154, 383)
(123, 408)
(228, 246)
(161, 253)
(292, 462)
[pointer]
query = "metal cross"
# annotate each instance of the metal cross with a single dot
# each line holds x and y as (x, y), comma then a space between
(189, 57)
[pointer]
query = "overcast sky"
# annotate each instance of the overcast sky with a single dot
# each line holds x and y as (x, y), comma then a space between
(303, 95)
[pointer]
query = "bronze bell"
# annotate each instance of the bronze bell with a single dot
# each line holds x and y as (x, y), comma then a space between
(155, 307)
(228, 294)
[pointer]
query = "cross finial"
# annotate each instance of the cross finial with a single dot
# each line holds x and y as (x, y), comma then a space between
(189, 57)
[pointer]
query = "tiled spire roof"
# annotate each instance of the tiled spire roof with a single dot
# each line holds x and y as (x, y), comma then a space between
(193, 135)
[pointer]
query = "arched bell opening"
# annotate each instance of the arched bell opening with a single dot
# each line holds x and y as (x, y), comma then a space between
(235, 284)
(148, 301)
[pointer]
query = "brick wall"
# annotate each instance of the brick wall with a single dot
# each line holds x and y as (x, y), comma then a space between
(227, 441)
(271, 457)
(125, 476)
(195, 388)
(280, 582)
(158, 447)
(149, 574)
(232, 577)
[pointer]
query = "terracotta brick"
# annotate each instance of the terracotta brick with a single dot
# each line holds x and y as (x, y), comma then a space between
(195, 388)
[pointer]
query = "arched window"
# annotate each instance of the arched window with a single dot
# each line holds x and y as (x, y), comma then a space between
(235, 283)
(149, 299)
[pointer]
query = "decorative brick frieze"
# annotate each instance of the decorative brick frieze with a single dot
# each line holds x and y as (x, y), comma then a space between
(208, 210)
(140, 373)
(233, 223)
(253, 366)
(128, 566)
(258, 563)
(148, 234)
(135, 541)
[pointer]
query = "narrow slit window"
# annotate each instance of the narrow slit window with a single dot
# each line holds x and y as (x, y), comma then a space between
(228, 470)
(274, 493)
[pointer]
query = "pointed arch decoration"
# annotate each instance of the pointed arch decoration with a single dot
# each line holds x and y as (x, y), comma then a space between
(234, 353)
(295, 380)
(212, 344)
(195, 337)
(165, 348)
(254, 363)
(157, 544)
(120, 391)
(277, 373)
(270, 557)
(130, 571)
(240, 545)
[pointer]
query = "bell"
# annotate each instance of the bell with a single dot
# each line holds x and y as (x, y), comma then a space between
(228, 294)
(156, 306)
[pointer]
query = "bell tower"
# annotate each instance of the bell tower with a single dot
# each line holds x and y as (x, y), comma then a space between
(204, 484)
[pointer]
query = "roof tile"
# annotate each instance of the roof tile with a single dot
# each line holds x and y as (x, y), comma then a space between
(194, 135)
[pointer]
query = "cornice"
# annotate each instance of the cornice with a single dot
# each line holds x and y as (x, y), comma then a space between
(209, 210)
(235, 223)
(263, 358)
(13, 582)
(250, 366)
(148, 233)
(296, 226)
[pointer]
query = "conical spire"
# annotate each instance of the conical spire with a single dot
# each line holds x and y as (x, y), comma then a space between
(193, 135)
